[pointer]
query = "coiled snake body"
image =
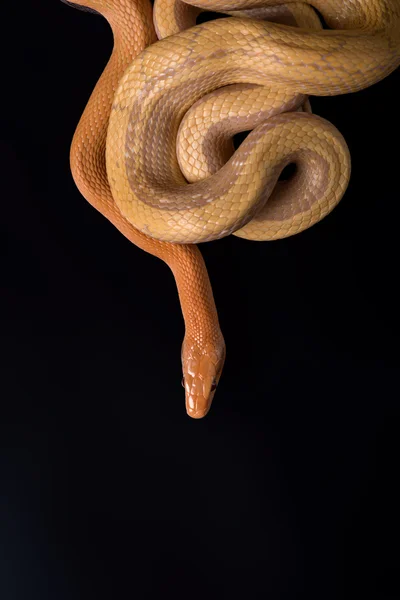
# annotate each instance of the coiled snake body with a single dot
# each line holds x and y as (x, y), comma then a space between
(153, 150)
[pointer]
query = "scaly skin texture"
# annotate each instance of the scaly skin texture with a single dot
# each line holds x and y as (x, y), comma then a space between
(173, 16)
(165, 80)
(205, 135)
(203, 349)
(151, 106)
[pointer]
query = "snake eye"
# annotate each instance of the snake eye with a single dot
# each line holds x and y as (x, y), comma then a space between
(214, 385)
(183, 382)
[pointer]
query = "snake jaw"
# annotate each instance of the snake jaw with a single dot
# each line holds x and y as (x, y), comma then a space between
(202, 367)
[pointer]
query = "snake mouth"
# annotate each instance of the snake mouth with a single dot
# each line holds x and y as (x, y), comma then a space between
(80, 7)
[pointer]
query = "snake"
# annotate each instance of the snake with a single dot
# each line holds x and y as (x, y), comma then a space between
(154, 153)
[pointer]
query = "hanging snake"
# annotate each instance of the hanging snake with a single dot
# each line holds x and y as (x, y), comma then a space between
(153, 150)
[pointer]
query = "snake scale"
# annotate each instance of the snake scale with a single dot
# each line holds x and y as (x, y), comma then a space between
(153, 150)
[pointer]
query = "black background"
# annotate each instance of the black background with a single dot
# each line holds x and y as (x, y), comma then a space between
(287, 489)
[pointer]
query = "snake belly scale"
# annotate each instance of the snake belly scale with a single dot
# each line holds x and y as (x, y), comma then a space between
(153, 150)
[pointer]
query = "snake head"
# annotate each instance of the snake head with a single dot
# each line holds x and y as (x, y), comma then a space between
(202, 367)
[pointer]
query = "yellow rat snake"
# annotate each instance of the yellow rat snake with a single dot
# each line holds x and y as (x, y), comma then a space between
(153, 150)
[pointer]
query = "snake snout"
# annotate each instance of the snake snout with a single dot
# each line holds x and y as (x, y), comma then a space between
(199, 413)
(198, 403)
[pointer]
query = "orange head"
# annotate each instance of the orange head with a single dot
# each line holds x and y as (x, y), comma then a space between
(202, 366)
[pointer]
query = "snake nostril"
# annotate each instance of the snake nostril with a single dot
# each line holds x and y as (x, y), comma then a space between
(214, 386)
(183, 382)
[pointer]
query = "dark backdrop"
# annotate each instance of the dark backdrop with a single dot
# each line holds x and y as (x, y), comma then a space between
(287, 489)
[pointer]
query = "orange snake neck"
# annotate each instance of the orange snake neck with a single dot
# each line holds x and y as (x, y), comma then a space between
(133, 31)
(355, 62)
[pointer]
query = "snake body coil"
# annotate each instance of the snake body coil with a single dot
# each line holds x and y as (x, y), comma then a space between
(153, 150)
